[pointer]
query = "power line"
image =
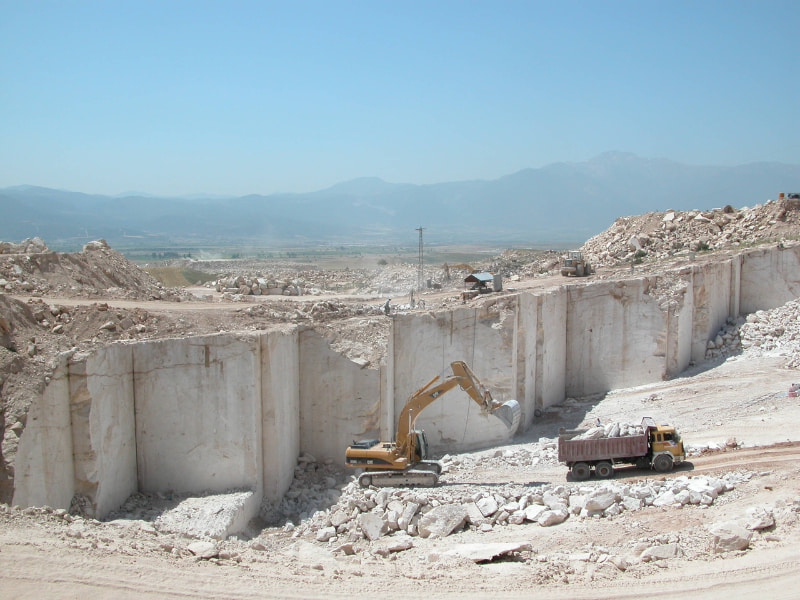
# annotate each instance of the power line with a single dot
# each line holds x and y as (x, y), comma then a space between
(420, 273)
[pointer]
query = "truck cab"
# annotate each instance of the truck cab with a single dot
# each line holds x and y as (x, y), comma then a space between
(665, 439)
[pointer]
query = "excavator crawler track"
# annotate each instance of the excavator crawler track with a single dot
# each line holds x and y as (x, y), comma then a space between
(413, 477)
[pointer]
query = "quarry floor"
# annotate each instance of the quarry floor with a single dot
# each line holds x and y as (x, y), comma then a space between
(43, 555)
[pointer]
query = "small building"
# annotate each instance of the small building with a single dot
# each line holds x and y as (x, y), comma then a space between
(481, 282)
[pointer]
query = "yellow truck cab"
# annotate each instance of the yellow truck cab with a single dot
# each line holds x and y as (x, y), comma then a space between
(665, 439)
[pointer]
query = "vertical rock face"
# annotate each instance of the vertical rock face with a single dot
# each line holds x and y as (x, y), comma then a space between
(44, 473)
(198, 413)
(103, 427)
(339, 400)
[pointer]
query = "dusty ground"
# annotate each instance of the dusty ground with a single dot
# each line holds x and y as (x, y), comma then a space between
(735, 416)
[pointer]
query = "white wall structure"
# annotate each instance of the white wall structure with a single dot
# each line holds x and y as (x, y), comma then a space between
(339, 400)
(769, 278)
(280, 411)
(711, 299)
(540, 351)
(198, 413)
(423, 346)
(614, 336)
(44, 471)
(103, 427)
(235, 410)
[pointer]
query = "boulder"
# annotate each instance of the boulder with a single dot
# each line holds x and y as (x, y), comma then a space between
(474, 514)
(730, 536)
(600, 500)
(481, 553)
(325, 534)
(487, 505)
(760, 518)
(372, 525)
(534, 511)
(204, 550)
(661, 552)
(442, 520)
(552, 517)
(409, 511)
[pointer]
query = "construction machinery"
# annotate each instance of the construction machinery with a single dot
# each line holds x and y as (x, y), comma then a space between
(447, 268)
(575, 264)
(658, 447)
(405, 460)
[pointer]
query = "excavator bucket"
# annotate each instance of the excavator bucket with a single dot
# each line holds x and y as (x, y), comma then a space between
(509, 413)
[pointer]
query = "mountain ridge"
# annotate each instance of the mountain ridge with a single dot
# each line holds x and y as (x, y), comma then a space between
(558, 203)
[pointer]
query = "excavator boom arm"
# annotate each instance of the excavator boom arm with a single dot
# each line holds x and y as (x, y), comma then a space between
(466, 379)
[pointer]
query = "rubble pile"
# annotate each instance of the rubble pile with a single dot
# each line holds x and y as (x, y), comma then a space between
(543, 452)
(27, 246)
(515, 263)
(315, 487)
(373, 513)
(141, 532)
(269, 278)
(97, 271)
(773, 332)
(397, 279)
(663, 235)
(268, 286)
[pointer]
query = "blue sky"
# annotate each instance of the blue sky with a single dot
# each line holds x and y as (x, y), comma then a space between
(238, 97)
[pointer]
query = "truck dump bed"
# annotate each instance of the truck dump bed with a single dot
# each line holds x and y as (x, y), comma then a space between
(572, 450)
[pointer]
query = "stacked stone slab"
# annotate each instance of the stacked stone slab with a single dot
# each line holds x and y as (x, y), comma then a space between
(611, 430)
(257, 286)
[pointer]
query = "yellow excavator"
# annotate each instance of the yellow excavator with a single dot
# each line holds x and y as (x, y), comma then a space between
(405, 461)
(447, 268)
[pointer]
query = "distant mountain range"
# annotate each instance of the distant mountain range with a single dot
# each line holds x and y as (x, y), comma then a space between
(559, 204)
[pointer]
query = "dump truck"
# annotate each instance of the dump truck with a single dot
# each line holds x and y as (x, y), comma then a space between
(575, 264)
(405, 460)
(659, 447)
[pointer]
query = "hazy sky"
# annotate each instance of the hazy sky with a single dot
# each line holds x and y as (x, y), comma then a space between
(240, 97)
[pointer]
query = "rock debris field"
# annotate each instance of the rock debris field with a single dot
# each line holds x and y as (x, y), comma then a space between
(506, 521)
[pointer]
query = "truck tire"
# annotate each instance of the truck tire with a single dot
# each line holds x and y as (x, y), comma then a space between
(581, 471)
(663, 463)
(604, 470)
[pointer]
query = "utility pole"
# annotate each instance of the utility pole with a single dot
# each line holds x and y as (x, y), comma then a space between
(420, 273)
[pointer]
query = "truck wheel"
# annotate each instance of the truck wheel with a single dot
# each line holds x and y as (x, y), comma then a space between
(662, 463)
(581, 471)
(604, 470)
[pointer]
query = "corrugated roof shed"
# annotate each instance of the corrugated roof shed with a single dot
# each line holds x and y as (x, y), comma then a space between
(479, 278)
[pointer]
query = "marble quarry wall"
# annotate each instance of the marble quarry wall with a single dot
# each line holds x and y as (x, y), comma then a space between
(234, 411)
